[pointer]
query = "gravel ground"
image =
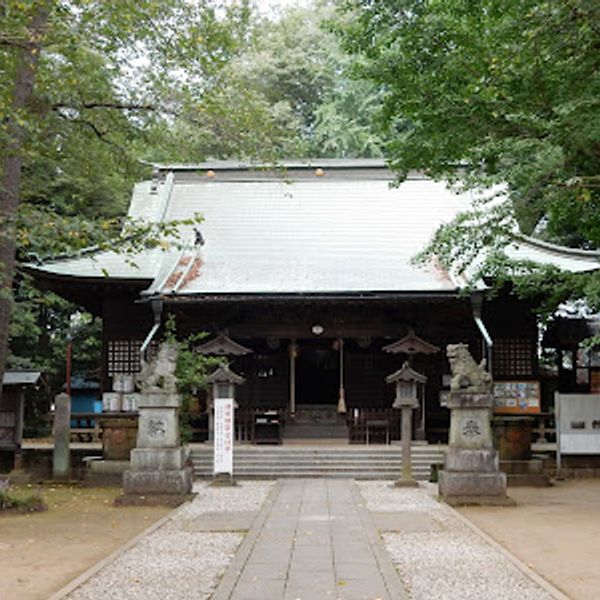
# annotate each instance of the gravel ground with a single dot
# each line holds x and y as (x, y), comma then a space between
(172, 563)
(447, 564)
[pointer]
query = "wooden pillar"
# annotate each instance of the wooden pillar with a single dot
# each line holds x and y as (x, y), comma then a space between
(293, 352)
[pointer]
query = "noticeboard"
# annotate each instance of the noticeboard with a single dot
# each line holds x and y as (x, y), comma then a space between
(517, 397)
(578, 421)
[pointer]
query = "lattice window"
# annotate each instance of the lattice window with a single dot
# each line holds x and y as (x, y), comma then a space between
(514, 357)
(123, 356)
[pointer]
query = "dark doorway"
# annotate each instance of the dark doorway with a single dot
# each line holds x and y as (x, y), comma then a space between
(317, 372)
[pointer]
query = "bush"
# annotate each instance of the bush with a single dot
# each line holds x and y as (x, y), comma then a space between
(16, 501)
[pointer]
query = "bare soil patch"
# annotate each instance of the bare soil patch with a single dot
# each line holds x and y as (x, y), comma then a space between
(41, 552)
(556, 531)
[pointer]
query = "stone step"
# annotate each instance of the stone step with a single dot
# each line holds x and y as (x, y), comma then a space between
(303, 450)
(356, 462)
(278, 451)
(323, 458)
(320, 463)
(321, 469)
(320, 460)
(361, 475)
(361, 457)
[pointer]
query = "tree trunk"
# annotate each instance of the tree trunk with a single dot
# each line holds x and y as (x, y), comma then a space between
(10, 173)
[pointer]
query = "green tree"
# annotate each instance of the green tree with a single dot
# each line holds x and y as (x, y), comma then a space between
(296, 66)
(502, 95)
(83, 83)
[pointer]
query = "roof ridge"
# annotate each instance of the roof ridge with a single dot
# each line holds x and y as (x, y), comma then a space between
(558, 248)
(301, 163)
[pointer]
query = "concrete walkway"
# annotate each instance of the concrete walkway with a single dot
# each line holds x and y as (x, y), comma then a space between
(315, 541)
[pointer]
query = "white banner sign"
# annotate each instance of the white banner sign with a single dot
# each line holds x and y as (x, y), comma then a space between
(223, 428)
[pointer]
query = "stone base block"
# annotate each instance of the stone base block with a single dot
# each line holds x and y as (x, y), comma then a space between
(158, 482)
(405, 483)
(159, 399)
(157, 459)
(223, 480)
(171, 500)
(478, 461)
(479, 501)
(109, 466)
(472, 485)
(105, 472)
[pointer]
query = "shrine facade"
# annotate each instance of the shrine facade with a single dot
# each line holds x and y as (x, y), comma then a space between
(304, 279)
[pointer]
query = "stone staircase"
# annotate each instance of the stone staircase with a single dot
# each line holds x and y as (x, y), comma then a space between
(356, 462)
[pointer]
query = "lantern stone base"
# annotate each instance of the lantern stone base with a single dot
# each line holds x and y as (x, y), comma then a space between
(177, 482)
(223, 480)
(405, 483)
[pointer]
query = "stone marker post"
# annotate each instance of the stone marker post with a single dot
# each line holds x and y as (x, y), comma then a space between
(223, 382)
(61, 457)
(158, 463)
(471, 474)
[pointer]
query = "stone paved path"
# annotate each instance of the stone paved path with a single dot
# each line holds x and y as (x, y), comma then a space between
(317, 542)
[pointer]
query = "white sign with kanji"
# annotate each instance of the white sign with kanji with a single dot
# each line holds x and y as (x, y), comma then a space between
(223, 433)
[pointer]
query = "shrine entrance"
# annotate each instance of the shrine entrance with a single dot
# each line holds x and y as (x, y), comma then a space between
(317, 387)
(317, 373)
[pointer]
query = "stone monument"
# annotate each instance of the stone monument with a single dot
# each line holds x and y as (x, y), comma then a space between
(471, 473)
(61, 456)
(158, 462)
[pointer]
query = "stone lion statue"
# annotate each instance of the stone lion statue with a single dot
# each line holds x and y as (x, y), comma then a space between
(158, 374)
(467, 375)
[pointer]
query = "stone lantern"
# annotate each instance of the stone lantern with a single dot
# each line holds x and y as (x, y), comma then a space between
(410, 388)
(223, 382)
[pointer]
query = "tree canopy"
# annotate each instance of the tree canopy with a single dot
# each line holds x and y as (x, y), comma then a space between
(500, 94)
(112, 86)
(85, 84)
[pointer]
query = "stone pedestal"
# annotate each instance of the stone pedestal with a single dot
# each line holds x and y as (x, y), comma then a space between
(158, 461)
(471, 472)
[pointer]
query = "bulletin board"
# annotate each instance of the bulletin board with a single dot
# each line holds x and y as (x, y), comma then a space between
(517, 397)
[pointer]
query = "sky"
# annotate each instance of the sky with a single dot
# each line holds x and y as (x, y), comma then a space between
(269, 6)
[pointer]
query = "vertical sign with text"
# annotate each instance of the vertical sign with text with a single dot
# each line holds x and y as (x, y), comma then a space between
(223, 428)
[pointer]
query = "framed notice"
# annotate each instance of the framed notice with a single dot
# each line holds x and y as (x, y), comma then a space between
(595, 381)
(517, 397)
(223, 434)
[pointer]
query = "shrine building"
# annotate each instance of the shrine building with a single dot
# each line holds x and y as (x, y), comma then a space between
(303, 277)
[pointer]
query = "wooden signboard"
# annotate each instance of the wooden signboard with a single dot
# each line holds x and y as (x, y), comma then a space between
(517, 397)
